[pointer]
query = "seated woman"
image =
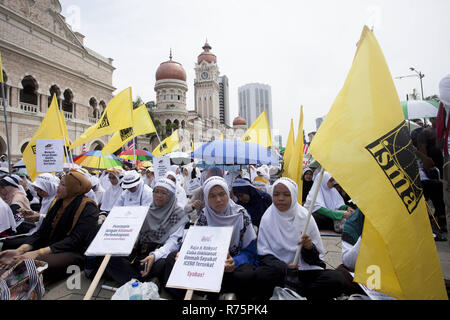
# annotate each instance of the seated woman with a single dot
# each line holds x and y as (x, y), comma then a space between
(329, 210)
(351, 241)
(221, 211)
(7, 222)
(12, 192)
(46, 186)
(180, 192)
(160, 234)
(136, 193)
(307, 182)
(113, 193)
(64, 235)
(278, 239)
(253, 200)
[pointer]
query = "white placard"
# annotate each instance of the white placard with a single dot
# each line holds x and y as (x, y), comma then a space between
(201, 261)
(192, 184)
(49, 155)
(118, 232)
(161, 166)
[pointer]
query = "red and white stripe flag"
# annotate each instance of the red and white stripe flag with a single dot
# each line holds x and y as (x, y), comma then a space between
(305, 149)
(131, 145)
(84, 150)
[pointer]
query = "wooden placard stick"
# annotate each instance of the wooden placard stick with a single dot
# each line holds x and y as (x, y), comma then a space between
(97, 278)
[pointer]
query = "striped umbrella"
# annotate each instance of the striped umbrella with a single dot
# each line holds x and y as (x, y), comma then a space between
(416, 109)
(235, 152)
(94, 159)
(141, 155)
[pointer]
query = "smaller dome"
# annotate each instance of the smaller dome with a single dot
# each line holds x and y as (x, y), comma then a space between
(239, 121)
(170, 70)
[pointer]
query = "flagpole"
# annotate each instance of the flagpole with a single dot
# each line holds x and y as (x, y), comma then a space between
(68, 152)
(6, 125)
(297, 254)
(160, 142)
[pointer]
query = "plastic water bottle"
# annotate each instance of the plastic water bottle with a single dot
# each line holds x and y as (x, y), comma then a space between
(136, 291)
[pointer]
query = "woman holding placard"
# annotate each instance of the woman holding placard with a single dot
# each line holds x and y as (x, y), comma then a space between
(160, 234)
(221, 211)
(280, 233)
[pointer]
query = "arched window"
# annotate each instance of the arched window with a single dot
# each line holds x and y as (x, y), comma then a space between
(176, 123)
(7, 88)
(102, 105)
(168, 127)
(210, 107)
(28, 94)
(67, 104)
(22, 148)
(183, 123)
(94, 108)
(54, 90)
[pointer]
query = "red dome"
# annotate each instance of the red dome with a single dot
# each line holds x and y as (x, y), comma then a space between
(206, 55)
(170, 70)
(239, 121)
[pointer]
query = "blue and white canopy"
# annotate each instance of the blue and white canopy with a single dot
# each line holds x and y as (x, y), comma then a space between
(235, 152)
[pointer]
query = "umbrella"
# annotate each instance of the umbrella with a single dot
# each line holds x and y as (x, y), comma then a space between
(416, 109)
(94, 159)
(141, 155)
(144, 164)
(235, 152)
(179, 158)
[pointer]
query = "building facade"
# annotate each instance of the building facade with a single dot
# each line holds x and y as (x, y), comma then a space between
(254, 98)
(42, 56)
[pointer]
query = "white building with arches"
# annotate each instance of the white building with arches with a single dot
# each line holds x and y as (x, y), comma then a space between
(42, 56)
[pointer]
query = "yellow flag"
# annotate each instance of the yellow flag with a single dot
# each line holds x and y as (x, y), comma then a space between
(1, 68)
(295, 167)
(365, 145)
(143, 124)
(117, 116)
(64, 127)
(259, 131)
(290, 144)
(168, 145)
(50, 128)
(222, 136)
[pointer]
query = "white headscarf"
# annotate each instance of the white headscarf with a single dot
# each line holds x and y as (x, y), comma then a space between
(326, 197)
(280, 231)
(48, 183)
(233, 215)
(180, 194)
(6, 217)
(112, 193)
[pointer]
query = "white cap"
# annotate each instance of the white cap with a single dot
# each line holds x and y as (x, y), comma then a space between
(130, 179)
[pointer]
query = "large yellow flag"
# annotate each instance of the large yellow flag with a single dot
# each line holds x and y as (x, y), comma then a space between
(168, 145)
(142, 124)
(365, 145)
(117, 116)
(295, 166)
(259, 131)
(50, 128)
(64, 127)
(290, 144)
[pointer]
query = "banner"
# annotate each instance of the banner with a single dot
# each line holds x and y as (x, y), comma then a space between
(118, 232)
(49, 155)
(201, 260)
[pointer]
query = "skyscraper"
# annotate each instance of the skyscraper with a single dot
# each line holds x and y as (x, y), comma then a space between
(224, 100)
(254, 98)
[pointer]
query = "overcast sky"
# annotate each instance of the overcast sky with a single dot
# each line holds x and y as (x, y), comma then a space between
(302, 49)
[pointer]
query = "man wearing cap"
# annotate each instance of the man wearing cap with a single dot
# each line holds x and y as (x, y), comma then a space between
(136, 192)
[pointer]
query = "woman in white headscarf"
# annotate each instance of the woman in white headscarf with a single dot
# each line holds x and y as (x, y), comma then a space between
(97, 188)
(113, 193)
(7, 221)
(221, 211)
(280, 233)
(181, 196)
(161, 234)
(330, 210)
(135, 193)
(46, 186)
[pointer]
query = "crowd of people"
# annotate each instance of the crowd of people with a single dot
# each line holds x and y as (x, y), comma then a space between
(55, 218)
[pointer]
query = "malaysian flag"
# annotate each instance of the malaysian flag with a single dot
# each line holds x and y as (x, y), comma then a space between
(84, 150)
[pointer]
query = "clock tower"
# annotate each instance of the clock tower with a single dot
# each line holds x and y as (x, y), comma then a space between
(206, 84)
